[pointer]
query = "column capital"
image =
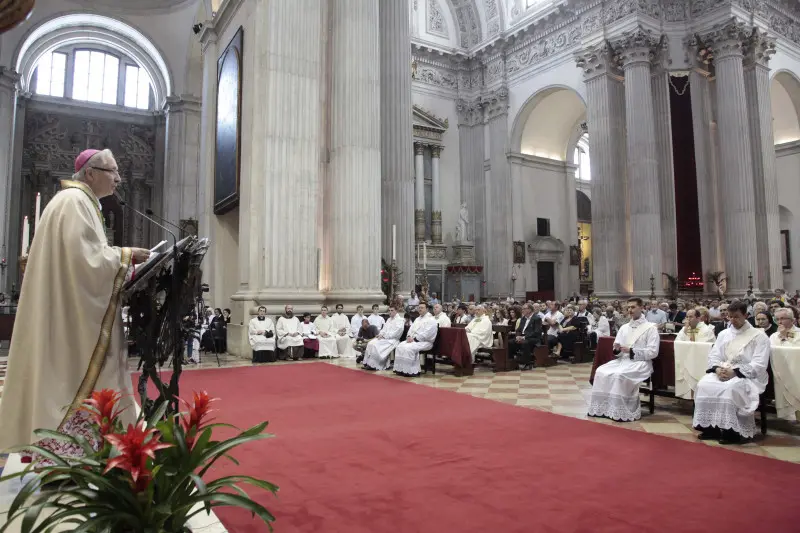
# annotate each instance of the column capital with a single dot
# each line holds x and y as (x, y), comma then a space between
(208, 35)
(8, 77)
(436, 150)
(637, 46)
(182, 103)
(496, 102)
(419, 148)
(596, 61)
(470, 112)
(723, 41)
(759, 48)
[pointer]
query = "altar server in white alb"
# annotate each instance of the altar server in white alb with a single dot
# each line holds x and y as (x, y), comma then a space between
(290, 335)
(326, 329)
(695, 330)
(615, 392)
(419, 339)
(479, 331)
(345, 338)
(375, 319)
(380, 349)
(261, 333)
(727, 396)
(788, 334)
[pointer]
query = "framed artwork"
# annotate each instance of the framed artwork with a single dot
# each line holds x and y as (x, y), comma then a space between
(575, 255)
(519, 252)
(786, 249)
(227, 160)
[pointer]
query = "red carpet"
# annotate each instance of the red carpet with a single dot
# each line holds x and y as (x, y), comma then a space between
(359, 453)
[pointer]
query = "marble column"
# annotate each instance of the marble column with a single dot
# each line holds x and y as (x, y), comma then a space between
(397, 171)
(636, 51)
(8, 105)
(471, 150)
(182, 161)
(282, 143)
(605, 120)
(769, 268)
(15, 212)
(666, 176)
(573, 278)
(517, 231)
(208, 127)
(419, 192)
(735, 150)
(436, 214)
(352, 193)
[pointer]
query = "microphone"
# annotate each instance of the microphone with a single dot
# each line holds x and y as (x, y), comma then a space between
(164, 220)
(124, 204)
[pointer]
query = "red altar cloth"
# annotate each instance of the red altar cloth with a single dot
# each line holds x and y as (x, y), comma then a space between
(453, 343)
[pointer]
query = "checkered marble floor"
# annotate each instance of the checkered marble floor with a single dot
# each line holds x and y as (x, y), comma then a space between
(562, 390)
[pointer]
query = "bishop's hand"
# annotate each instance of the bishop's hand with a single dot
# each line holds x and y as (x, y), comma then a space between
(140, 255)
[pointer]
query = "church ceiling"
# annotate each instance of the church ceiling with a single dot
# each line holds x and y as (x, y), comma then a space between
(139, 7)
(477, 20)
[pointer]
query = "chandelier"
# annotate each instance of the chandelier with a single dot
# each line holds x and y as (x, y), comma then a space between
(12, 12)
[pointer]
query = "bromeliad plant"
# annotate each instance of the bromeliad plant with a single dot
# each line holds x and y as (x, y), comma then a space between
(147, 478)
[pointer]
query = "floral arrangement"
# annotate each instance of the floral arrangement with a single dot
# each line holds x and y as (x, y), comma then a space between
(146, 478)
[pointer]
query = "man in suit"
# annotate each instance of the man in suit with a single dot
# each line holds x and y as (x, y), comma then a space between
(526, 338)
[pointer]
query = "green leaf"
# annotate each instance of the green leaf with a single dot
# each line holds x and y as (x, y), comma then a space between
(222, 499)
(199, 483)
(157, 415)
(229, 481)
(55, 435)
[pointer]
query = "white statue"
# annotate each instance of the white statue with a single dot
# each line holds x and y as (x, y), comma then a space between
(462, 228)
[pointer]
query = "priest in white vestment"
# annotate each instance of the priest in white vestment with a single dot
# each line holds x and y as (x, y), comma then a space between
(695, 330)
(786, 365)
(261, 333)
(376, 357)
(375, 319)
(68, 338)
(345, 338)
(290, 335)
(327, 330)
(788, 333)
(727, 396)
(419, 339)
(441, 317)
(479, 332)
(615, 392)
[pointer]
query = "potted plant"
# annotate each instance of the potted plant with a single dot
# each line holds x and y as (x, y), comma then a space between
(151, 477)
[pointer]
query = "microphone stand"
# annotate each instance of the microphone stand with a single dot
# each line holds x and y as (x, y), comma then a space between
(177, 357)
(164, 220)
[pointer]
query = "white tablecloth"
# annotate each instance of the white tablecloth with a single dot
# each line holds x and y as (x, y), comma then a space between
(691, 363)
(786, 373)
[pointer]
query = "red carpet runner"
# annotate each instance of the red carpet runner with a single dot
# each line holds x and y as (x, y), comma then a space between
(359, 453)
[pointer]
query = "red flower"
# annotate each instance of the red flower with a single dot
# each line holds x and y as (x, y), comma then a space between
(103, 409)
(198, 412)
(134, 447)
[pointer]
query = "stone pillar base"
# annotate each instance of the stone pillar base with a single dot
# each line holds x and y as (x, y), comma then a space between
(419, 225)
(436, 227)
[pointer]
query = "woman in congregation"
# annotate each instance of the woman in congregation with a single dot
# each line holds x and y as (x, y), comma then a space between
(765, 322)
(567, 332)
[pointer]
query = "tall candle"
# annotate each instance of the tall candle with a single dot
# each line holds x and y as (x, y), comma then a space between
(25, 237)
(652, 271)
(394, 242)
(38, 210)
(425, 255)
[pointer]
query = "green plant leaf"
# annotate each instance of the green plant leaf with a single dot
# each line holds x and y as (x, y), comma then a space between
(229, 481)
(222, 499)
(157, 415)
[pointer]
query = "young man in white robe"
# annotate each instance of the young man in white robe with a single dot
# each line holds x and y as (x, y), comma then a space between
(356, 321)
(345, 338)
(375, 319)
(695, 330)
(441, 317)
(419, 339)
(379, 350)
(73, 280)
(326, 329)
(615, 391)
(727, 396)
(479, 331)
(261, 333)
(290, 335)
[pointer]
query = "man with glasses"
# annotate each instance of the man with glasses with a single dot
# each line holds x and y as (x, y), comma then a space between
(74, 278)
(788, 333)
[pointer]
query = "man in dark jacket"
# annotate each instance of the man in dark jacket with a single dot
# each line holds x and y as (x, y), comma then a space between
(527, 336)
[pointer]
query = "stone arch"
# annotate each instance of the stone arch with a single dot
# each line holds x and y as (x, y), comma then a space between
(546, 124)
(785, 92)
(83, 28)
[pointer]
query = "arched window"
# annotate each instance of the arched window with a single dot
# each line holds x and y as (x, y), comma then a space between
(93, 76)
(581, 158)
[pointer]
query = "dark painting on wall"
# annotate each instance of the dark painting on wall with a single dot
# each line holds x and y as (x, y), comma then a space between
(227, 162)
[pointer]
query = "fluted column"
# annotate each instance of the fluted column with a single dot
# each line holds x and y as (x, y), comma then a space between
(436, 214)
(606, 120)
(419, 192)
(471, 149)
(352, 193)
(181, 166)
(397, 171)
(769, 271)
(666, 176)
(8, 104)
(498, 196)
(281, 171)
(736, 195)
(636, 51)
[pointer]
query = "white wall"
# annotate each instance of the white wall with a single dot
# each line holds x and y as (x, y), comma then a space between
(788, 165)
(450, 165)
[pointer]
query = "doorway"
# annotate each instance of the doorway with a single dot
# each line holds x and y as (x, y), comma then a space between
(546, 277)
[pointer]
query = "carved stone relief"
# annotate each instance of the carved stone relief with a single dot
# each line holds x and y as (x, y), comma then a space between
(436, 25)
